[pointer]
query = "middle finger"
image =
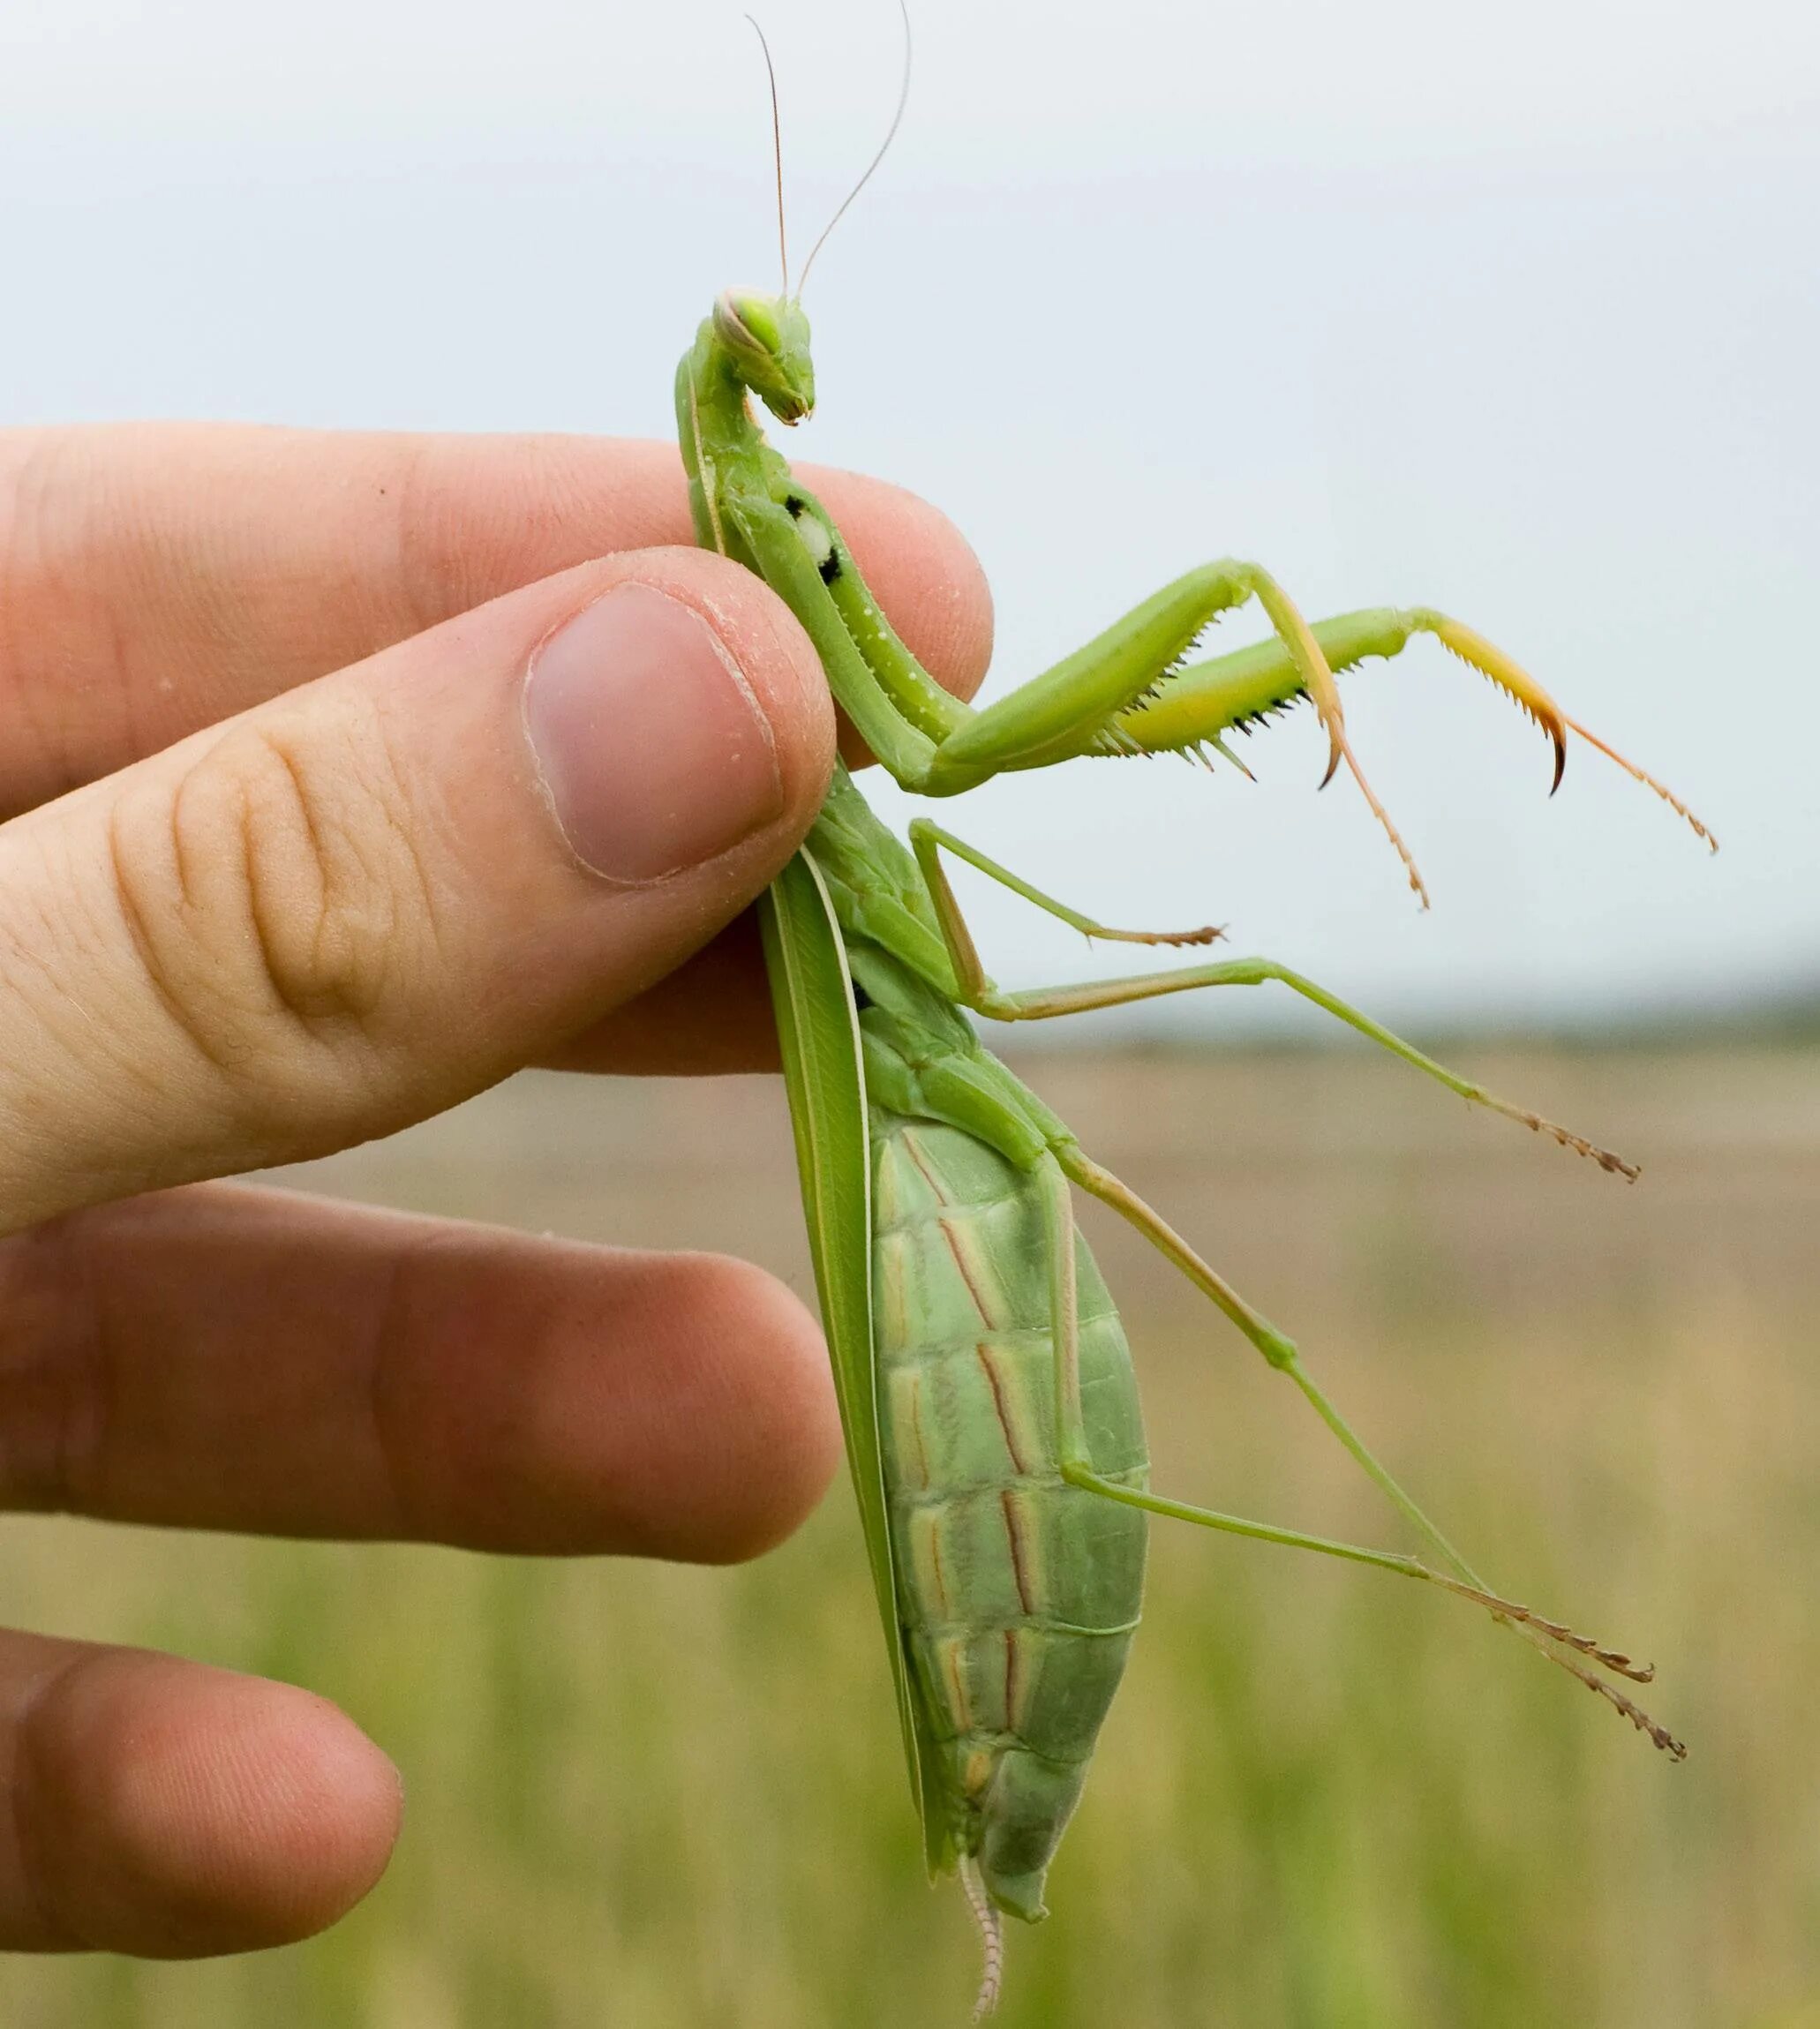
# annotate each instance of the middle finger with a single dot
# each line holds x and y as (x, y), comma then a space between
(229, 1358)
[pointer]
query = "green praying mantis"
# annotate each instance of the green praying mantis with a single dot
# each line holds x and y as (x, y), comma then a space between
(986, 1388)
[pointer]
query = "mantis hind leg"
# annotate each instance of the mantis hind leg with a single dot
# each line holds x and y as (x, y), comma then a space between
(1071, 1166)
(1066, 1164)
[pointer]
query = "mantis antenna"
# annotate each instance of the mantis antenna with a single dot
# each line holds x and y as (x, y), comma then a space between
(884, 148)
(777, 146)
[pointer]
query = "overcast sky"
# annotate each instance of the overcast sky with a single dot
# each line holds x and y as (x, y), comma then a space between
(1512, 312)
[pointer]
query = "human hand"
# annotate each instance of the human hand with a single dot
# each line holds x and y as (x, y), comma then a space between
(326, 865)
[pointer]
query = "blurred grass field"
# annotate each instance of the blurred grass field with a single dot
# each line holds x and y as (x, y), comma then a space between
(667, 1798)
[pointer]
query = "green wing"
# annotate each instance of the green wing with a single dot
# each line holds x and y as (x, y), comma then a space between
(819, 1031)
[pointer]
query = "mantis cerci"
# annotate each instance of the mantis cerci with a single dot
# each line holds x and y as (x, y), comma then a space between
(985, 1385)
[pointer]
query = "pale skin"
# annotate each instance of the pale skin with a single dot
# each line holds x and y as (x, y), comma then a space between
(215, 1357)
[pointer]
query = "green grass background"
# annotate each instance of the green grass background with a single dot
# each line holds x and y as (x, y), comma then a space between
(668, 1799)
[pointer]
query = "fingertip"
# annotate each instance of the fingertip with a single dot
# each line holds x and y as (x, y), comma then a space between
(682, 1408)
(675, 1406)
(922, 571)
(774, 656)
(174, 1811)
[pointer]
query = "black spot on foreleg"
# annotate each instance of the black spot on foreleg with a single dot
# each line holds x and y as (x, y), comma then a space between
(830, 567)
(793, 505)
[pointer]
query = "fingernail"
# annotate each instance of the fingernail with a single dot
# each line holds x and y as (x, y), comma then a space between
(652, 746)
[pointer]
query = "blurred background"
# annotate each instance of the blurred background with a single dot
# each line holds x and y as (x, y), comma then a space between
(1511, 313)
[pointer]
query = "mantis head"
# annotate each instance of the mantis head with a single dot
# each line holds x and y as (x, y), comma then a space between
(767, 336)
(768, 339)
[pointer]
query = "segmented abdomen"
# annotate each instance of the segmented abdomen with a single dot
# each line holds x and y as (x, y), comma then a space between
(1018, 1593)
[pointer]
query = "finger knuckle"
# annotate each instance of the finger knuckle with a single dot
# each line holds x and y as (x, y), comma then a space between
(274, 894)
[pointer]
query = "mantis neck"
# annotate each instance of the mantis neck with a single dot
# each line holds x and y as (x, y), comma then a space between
(721, 404)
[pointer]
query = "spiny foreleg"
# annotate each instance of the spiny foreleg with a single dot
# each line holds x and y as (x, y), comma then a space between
(937, 746)
(1201, 703)
(1080, 704)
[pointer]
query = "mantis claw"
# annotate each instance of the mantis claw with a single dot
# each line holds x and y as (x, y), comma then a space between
(1199, 702)
(1524, 691)
(1335, 735)
(1518, 684)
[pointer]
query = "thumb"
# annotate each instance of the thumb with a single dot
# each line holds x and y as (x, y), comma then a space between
(378, 893)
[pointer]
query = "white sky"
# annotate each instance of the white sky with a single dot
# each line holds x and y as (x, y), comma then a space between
(1511, 312)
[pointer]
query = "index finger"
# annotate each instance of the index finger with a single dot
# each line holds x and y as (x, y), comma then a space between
(155, 578)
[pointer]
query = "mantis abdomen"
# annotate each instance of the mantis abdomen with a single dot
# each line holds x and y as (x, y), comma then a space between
(1018, 1593)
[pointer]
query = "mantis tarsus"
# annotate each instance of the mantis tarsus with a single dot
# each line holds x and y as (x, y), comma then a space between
(986, 1388)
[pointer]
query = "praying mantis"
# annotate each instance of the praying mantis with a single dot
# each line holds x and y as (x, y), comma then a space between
(986, 1388)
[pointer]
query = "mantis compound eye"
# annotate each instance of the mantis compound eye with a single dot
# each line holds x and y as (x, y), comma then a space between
(748, 321)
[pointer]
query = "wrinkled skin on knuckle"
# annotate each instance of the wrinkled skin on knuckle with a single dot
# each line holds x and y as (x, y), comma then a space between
(276, 902)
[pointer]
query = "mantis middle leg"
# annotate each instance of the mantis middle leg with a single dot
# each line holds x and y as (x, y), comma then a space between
(977, 991)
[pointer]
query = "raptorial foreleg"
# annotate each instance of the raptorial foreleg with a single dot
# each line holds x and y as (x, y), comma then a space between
(1203, 701)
